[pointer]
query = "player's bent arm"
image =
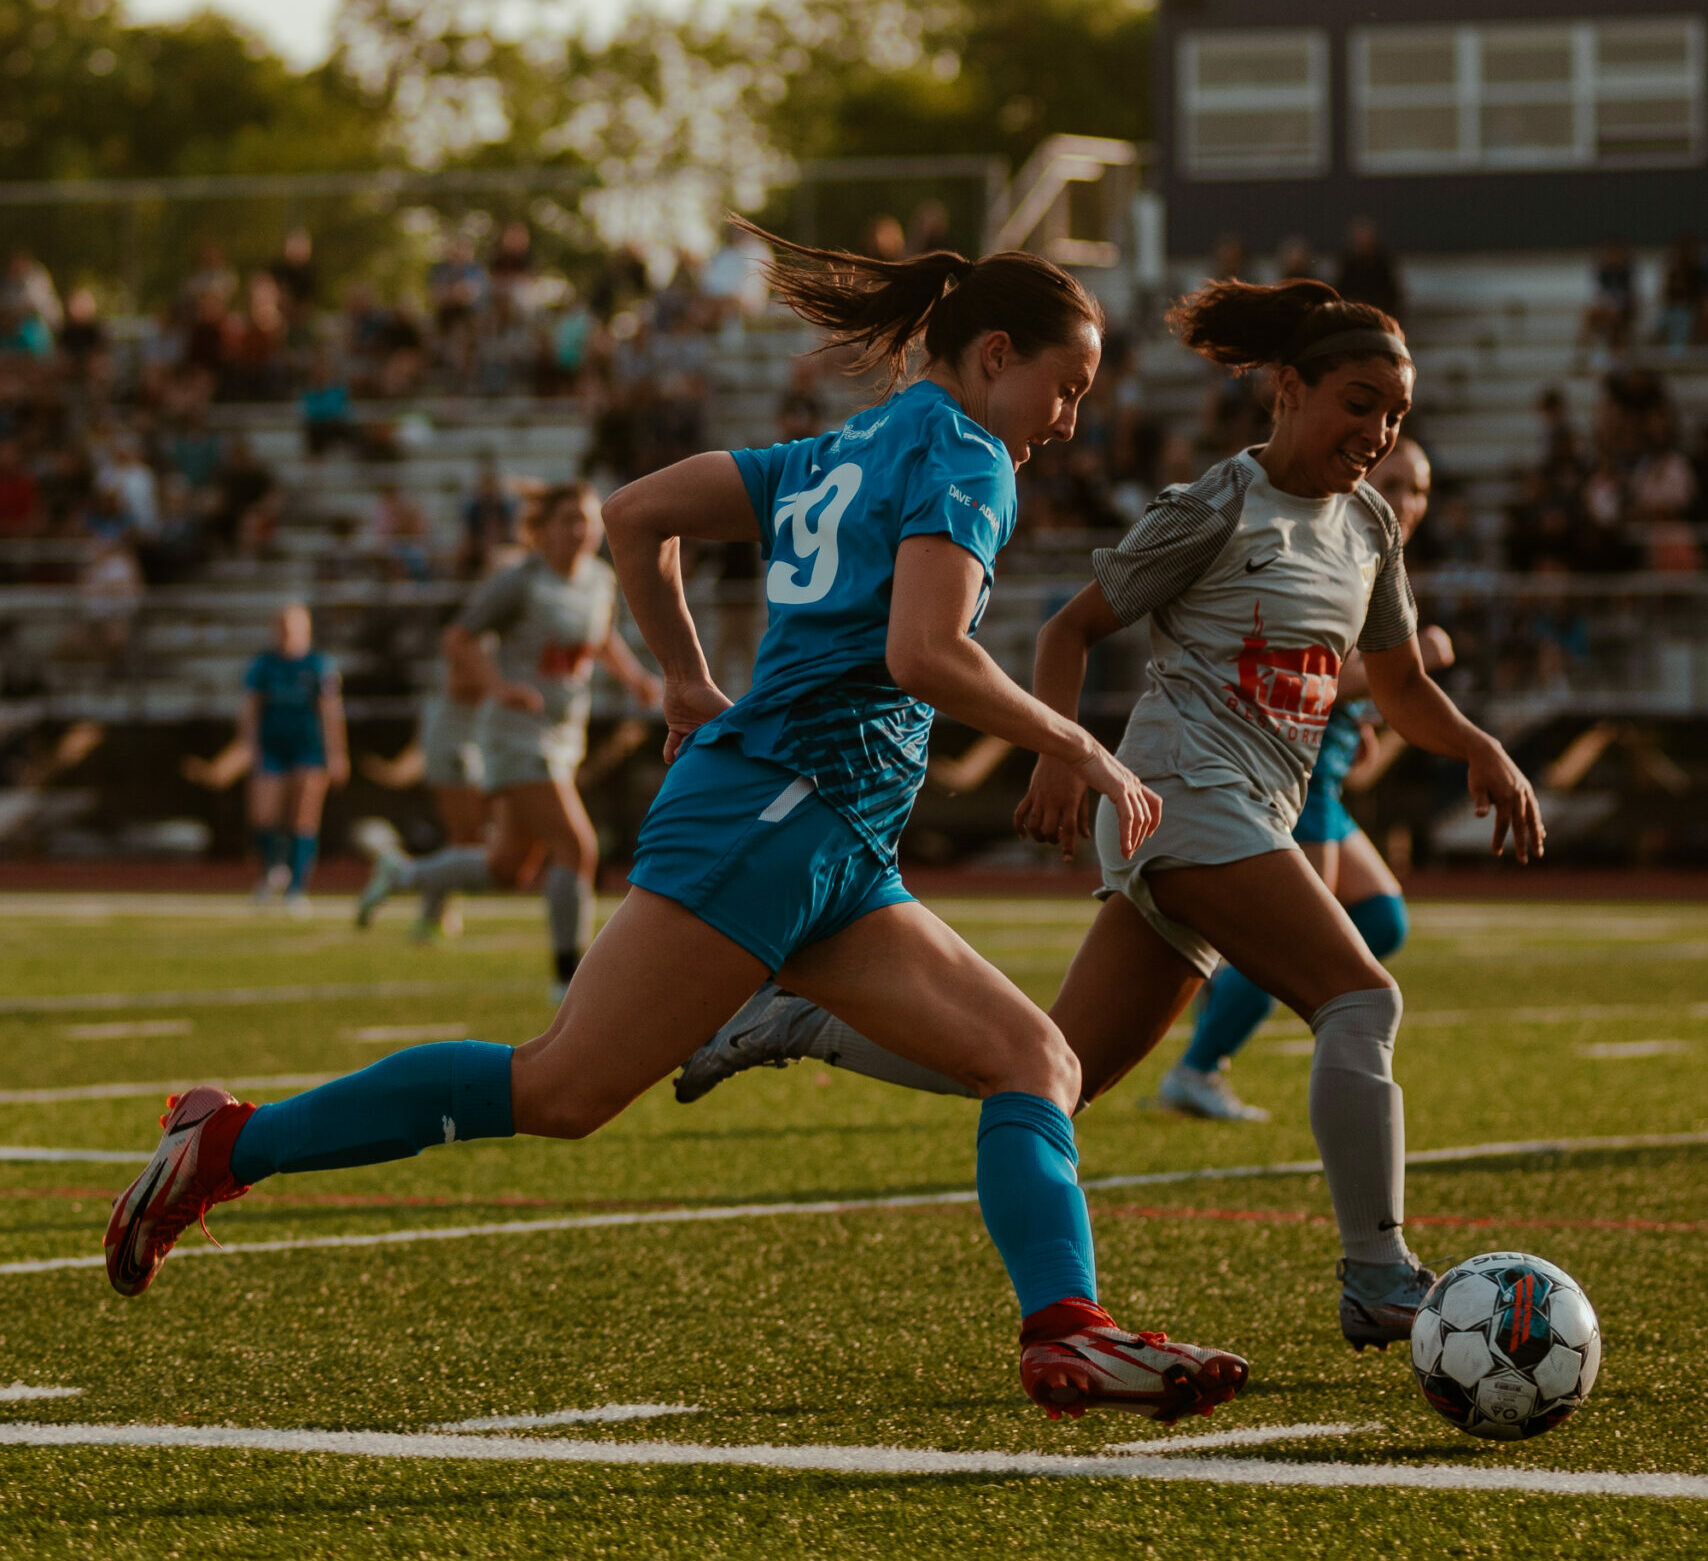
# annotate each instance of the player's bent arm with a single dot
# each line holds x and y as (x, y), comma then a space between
(931, 655)
(622, 663)
(702, 497)
(1064, 646)
(249, 725)
(1415, 706)
(1434, 647)
(470, 666)
(335, 734)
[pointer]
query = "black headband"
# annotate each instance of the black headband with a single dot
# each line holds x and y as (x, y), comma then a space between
(1361, 343)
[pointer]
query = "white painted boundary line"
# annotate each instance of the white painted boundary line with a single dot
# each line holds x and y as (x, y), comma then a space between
(126, 1029)
(924, 1200)
(22, 1392)
(604, 1414)
(869, 1460)
(247, 996)
(1254, 1436)
(48, 1097)
(21, 1154)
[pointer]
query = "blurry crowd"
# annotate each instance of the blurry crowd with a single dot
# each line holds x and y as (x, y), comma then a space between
(121, 468)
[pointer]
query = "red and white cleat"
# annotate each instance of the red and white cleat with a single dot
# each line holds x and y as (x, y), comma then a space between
(1073, 1358)
(190, 1172)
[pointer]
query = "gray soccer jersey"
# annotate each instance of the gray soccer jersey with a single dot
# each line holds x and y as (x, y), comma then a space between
(548, 628)
(1255, 598)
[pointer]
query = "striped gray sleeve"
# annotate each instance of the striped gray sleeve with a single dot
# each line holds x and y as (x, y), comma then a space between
(1168, 550)
(1392, 615)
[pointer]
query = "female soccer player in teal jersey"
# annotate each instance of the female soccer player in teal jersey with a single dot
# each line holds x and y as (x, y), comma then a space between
(292, 727)
(1259, 579)
(771, 847)
(1344, 857)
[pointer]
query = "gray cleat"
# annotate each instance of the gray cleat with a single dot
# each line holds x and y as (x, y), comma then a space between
(771, 1029)
(1379, 1301)
(381, 883)
(1203, 1094)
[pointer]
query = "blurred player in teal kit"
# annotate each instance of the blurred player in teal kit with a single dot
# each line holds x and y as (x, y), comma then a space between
(771, 847)
(1343, 855)
(291, 731)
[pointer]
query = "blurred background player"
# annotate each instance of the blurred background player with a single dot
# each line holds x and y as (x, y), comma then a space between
(552, 616)
(292, 743)
(1344, 856)
(444, 755)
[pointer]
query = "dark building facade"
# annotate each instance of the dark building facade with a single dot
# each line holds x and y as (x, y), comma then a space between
(1453, 124)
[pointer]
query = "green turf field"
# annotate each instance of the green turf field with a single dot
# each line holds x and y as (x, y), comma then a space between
(804, 1363)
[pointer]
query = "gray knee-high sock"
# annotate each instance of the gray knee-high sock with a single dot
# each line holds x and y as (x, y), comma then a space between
(569, 910)
(1358, 1118)
(456, 867)
(844, 1047)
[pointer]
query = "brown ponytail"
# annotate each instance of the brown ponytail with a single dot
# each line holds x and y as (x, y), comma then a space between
(880, 308)
(1245, 326)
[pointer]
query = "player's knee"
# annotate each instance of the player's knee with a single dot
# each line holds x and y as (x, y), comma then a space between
(1035, 1059)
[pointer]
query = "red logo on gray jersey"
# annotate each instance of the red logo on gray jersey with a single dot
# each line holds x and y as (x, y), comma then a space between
(1291, 691)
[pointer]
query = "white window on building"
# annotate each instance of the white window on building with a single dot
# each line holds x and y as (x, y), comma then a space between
(1253, 104)
(1495, 96)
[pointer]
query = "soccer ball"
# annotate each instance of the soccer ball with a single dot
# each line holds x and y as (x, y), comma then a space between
(1506, 1346)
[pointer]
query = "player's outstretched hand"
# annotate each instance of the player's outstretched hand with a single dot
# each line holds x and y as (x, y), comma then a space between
(1056, 809)
(1498, 785)
(688, 706)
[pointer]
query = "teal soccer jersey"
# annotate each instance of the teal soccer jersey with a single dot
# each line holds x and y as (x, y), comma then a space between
(832, 512)
(290, 690)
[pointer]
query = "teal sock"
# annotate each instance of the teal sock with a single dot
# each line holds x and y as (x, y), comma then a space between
(1382, 922)
(435, 1094)
(303, 851)
(1233, 1008)
(1030, 1198)
(270, 847)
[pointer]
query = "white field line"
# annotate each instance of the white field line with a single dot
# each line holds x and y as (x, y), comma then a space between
(903, 1461)
(925, 1200)
(249, 996)
(126, 1029)
(22, 1392)
(605, 1414)
(48, 1097)
(51, 906)
(1254, 1436)
(394, 1034)
(1618, 1049)
(25, 1154)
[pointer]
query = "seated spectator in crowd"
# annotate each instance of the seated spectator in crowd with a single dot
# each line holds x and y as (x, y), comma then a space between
(397, 534)
(733, 283)
(27, 289)
(84, 347)
(193, 451)
(298, 278)
(20, 493)
(1684, 295)
(1369, 273)
(1662, 494)
(512, 263)
(110, 590)
(458, 287)
(1295, 260)
(1230, 259)
(885, 238)
(928, 228)
(128, 477)
(247, 502)
(326, 421)
(1559, 444)
(489, 517)
(255, 341)
(1606, 324)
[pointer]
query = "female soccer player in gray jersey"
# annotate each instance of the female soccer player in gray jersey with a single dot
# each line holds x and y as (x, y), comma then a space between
(551, 617)
(1259, 579)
